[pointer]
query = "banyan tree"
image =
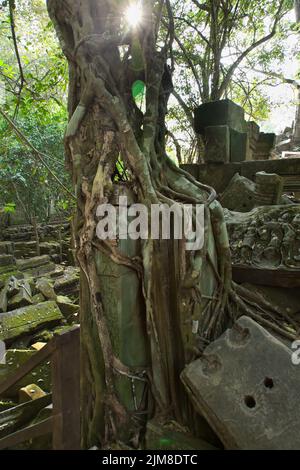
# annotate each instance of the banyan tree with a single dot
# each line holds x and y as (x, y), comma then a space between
(148, 307)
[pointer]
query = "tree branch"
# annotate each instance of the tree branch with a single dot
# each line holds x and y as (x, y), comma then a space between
(13, 33)
(39, 155)
(253, 46)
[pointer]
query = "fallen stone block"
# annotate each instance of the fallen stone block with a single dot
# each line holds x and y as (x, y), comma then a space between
(68, 283)
(66, 306)
(13, 286)
(5, 276)
(45, 287)
(28, 319)
(247, 388)
(37, 261)
(39, 271)
(269, 188)
(240, 194)
(22, 298)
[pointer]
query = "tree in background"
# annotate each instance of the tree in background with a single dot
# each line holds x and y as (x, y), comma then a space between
(33, 80)
(214, 43)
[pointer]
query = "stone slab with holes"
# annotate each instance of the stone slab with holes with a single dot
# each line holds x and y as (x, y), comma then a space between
(247, 388)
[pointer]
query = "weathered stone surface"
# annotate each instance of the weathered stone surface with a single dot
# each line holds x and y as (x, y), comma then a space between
(66, 306)
(4, 277)
(269, 188)
(6, 260)
(25, 249)
(6, 248)
(38, 298)
(265, 144)
(219, 176)
(247, 388)
(40, 271)
(220, 113)
(45, 287)
(14, 359)
(238, 146)
(268, 238)
(22, 298)
(3, 299)
(68, 283)
(28, 319)
(37, 261)
(30, 392)
(49, 248)
(47, 335)
(217, 144)
(13, 286)
(239, 195)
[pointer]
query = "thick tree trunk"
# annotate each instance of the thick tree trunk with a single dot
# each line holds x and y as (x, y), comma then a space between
(154, 298)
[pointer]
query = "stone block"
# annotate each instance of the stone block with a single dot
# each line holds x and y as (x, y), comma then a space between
(6, 248)
(66, 306)
(240, 194)
(269, 188)
(28, 319)
(68, 283)
(22, 298)
(238, 146)
(37, 261)
(264, 146)
(247, 388)
(38, 298)
(13, 286)
(253, 131)
(6, 260)
(217, 144)
(45, 287)
(219, 113)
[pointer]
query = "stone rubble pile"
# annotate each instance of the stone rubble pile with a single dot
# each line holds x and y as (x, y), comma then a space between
(39, 297)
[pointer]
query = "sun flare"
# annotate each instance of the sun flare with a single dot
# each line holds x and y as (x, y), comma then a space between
(133, 14)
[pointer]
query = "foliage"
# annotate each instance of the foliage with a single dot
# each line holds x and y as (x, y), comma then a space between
(25, 181)
(218, 46)
(35, 97)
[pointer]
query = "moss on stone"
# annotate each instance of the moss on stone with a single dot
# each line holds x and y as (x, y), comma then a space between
(28, 319)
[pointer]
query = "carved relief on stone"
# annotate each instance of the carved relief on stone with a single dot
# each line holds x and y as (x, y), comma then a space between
(266, 237)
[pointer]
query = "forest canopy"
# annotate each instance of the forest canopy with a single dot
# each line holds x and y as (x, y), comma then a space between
(243, 50)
